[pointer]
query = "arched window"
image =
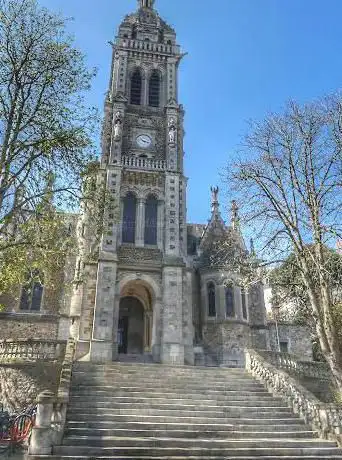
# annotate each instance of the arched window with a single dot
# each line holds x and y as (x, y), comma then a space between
(244, 303)
(230, 307)
(129, 218)
(211, 300)
(31, 296)
(136, 86)
(151, 220)
(154, 89)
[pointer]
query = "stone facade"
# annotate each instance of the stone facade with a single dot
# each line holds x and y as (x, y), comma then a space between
(20, 384)
(297, 339)
(149, 258)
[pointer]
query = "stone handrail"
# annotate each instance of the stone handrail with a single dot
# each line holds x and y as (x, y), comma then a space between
(291, 363)
(325, 418)
(52, 409)
(23, 350)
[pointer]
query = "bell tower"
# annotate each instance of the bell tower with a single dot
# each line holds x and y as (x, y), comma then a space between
(142, 165)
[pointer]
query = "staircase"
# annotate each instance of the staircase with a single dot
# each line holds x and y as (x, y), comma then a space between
(145, 411)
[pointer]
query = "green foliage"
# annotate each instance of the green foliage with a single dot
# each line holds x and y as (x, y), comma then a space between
(39, 255)
(46, 127)
(47, 137)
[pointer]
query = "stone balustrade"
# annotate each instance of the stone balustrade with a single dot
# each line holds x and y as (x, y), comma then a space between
(291, 363)
(325, 418)
(52, 408)
(147, 164)
(151, 47)
(24, 350)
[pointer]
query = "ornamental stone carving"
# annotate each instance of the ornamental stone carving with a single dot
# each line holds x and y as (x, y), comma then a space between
(117, 126)
(172, 131)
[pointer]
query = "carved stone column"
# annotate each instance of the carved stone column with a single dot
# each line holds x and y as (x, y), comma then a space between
(140, 223)
(101, 346)
(160, 225)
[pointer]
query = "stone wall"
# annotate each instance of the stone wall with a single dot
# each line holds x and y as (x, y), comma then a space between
(259, 338)
(227, 341)
(235, 338)
(21, 383)
(298, 339)
(29, 325)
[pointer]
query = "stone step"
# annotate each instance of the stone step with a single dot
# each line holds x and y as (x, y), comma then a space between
(193, 384)
(254, 449)
(257, 419)
(219, 396)
(92, 389)
(156, 368)
(179, 405)
(143, 457)
(245, 425)
(147, 377)
(181, 443)
(232, 411)
(205, 433)
(154, 412)
(248, 398)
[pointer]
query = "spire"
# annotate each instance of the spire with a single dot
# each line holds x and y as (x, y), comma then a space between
(146, 4)
(214, 200)
(252, 250)
(235, 216)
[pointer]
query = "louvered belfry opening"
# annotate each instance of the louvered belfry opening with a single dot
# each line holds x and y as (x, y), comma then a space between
(136, 87)
(151, 220)
(129, 218)
(154, 90)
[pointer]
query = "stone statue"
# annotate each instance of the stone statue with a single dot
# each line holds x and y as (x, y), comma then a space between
(117, 126)
(172, 131)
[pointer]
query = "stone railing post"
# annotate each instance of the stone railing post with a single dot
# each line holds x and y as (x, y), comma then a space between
(324, 422)
(248, 360)
(63, 394)
(41, 438)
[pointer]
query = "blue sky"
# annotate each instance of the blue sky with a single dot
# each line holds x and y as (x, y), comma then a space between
(245, 59)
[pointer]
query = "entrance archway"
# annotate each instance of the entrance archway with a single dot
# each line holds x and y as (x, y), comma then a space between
(135, 319)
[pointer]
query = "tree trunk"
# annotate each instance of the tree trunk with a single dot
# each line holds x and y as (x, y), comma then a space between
(336, 369)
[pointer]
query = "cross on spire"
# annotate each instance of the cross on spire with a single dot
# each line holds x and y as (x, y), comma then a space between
(146, 3)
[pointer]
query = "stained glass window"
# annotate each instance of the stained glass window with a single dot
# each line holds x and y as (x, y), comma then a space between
(211, 300)
(244, 303)
(230, 307)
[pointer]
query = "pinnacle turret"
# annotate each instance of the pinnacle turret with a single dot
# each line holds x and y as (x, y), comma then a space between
(146, 3)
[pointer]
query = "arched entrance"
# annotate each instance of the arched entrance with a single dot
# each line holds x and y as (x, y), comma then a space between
(135, 319)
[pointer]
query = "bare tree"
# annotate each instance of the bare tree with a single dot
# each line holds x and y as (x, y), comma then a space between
(45, 126)
(290, 188)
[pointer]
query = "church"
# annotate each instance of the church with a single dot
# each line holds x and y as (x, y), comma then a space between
(150, 289)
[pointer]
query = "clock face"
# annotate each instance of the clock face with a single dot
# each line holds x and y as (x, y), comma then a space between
(144, 141)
